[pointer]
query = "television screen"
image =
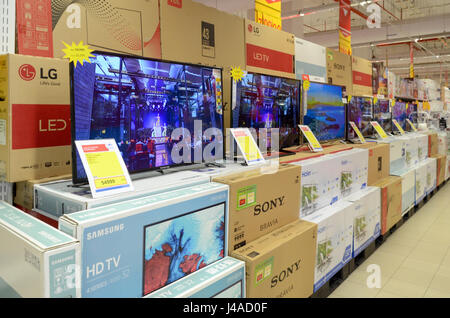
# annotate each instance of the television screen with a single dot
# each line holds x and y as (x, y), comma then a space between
(177, 247)
(382, 114)
(262, 101)
(412, 115)
(140, 102)
(360, 111)
(325, 111)
(399, 113)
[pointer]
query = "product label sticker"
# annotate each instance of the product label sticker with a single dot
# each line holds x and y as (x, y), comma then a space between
(247, 145)
(400, 129)
(77, 53)
(208, 40)
(263, 271)
(104, 166)
(2, 132)
(379, 129)
(312, 140)
(358, 132)
(218, 90)
(411, 124)
(246, 197)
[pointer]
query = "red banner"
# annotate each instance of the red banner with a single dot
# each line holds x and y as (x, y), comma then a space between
(345, 22)
(362, 79)
(269, 59)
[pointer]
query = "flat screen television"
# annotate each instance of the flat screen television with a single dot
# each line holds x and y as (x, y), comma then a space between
(262, 101)
(325, 111)
(177, 247)
(412, 115)
(360, 111)
(140, 102)
(399, 113)
(382, 114)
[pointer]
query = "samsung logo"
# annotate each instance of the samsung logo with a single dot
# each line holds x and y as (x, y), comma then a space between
(105, 231)
(305, 174)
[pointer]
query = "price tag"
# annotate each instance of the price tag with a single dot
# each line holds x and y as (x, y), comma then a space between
(379, 129)
(400, 129)
(104, 166)
(312, 140)
(247, 145)
(411, 124)
(358, 132)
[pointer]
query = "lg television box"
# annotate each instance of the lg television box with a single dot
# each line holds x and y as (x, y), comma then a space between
(261, 202)
(366, 218)
(281, 264)
(339, 69)
(34, 118)
(36, 259)
(431, 176)
(408, 189)
(136, 247)
(334, 240)
(421, 181)
(441, 165)
(59, 198)
(320, 184)
(397, 154)
(222, 279)
(130, 27)
(391, 202)
(379, 161)
(362, 76)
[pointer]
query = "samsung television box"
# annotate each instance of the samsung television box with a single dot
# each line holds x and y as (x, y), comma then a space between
(281, 263)
(320, 184)
(397, 153)
(431, 176)
(36, 259)
(222, 279)
(136, 247)
(421, 181)
(334, 240)
(408, 189)
(61, 197)
(366, 218)
(35, 140)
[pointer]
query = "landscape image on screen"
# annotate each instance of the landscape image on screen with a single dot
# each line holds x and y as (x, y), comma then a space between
(382, 114)
(140, 102)
(361, 113)
(180, 246)
(399, 113)
(325, 113)
(263, 101)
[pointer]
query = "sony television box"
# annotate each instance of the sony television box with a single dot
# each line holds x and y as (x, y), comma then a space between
(397, 154)
(379, 161)
(334, 240)
(133, 248)
(130, 27)
(222, 279)
(61, 197)
(311, 60)
(366, 218)
(362, 76)
(261, 202)
(35, 140)
(281, 263)
(408, 189)
(391, 202)
(421, 180)
(441, 165)
(36, 259)
(431, 177)
(339, 69)
(320, 184)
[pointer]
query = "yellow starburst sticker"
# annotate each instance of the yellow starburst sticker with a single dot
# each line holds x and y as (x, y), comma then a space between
(237, 74)
(306, 85)
(77, 53)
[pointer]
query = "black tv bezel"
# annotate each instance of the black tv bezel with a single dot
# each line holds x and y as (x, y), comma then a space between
(390, 112)
(365, 135)
(299, 104)
(78, 181)
(345, 111)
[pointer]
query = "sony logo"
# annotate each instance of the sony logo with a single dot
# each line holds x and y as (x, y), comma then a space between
(261, 57)
(105, 231)
(52, 125)
(285, 273)
(339, 67)
(268, 205)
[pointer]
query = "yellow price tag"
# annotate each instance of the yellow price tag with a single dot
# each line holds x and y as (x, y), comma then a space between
(411, 124)
(110, 182)
(251, 152)
(375, 100)
(379, 129)
(358, 132)
(312, 140)
(400, 129)
(306, 85)
(97, 160)
(77, 53)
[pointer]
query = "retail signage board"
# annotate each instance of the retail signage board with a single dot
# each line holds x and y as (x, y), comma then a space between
(358, 132)
(312, 140)
(400, 129)
(379, 129)
(247, 145)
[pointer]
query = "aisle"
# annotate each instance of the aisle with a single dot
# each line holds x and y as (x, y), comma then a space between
(414, 261)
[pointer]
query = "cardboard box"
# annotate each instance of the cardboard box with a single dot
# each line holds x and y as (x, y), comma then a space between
(6, 191)
(397, 154)
(366, 218)
(339, 69)
(311, 60)
(320, 184)
(379, 161)
(261, 203)
(441, 166)
(37, 259)
(335, 148)
(55, 199)
(299, 156)
(408, 189)
(130, 28)
(334, 240)
(268, 50)
(35, 140)
(48, 219)
(24, 195)
(422, 142)
(133, 248)
(431, 177)
(281, 264)
(362, 76)
(442, 143)
(432, 143)
(421, 180)
(223, 279)
(411, 151)
(391, 202)
(228, 167)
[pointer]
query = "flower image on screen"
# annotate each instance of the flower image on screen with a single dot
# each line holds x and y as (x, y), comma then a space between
(360, 112)
(382, 114)
(399, 113)
(325, 113)
(180, 246)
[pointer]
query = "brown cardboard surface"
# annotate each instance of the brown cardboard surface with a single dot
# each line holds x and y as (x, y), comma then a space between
(339, 69)
(360, 65)
(281, 264)
(379, 161)
(391, 201)
(128, 27)
(432, 143)
(35, 142)
(260, 203)
(441, 162)
(302, 155)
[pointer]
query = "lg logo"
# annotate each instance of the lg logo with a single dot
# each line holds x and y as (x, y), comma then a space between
(253, 29)
(27, 72)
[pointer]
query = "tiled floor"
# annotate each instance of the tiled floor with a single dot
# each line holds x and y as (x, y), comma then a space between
(413, 262)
